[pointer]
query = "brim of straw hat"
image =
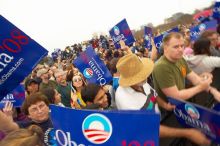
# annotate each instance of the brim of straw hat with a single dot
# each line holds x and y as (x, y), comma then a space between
(140, 76)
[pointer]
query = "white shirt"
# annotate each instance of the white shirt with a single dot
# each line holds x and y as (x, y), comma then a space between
(202, 63)
(127, 98)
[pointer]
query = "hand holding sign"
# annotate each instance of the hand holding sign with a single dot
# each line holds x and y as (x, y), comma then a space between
(8, 109)
(205, 84)
(169, 107)
(122, 44)
(124, 47)
(154, 50)
(152, 42)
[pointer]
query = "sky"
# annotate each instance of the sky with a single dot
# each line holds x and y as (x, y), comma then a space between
(60, 23)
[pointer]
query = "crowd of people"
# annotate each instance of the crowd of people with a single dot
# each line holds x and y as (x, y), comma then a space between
(142, 80)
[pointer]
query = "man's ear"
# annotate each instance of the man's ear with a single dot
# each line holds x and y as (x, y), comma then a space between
(164, 47)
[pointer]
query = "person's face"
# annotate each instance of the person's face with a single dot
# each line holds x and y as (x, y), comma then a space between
(187, 34)
(141, 83)
(38, 112)
(32, 87)
(50, 72)
(173, 49)
(214, 40)
(45, 76)
(138, 85)
(75, 71)
(57, 96)
(61, 79)
(77, 81)
(101, 99)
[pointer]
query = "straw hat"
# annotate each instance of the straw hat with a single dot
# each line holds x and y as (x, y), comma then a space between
(133, 70)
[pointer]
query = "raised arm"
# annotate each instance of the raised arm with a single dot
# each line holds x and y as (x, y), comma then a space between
(7, 124)
(191, 134)
(154, 52)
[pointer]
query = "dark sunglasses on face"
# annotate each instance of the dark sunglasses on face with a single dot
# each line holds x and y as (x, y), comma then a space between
(77, 79)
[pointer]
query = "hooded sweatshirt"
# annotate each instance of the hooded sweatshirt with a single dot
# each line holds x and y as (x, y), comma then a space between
(202, 63)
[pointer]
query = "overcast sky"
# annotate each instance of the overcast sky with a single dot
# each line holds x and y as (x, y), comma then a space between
(59, 23)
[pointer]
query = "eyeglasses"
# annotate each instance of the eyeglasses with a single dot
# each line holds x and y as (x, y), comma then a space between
(36, 108)
(77, 79)
(213, 39)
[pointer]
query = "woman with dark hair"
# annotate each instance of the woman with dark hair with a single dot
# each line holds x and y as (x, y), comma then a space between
(77, 84)
(95, 97)
(52, 95)
(213, 36)
(77, 81)
(201, 61)
(108, 56)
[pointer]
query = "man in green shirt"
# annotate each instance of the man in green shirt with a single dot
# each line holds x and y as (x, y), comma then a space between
(171, 71)
(44, 75)
(63, 87)
(169, 75)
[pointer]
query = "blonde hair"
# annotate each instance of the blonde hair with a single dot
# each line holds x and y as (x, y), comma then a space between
(24, 137)
(168, 37)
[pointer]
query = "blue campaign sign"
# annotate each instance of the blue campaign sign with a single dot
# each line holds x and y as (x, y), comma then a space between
(19, 55)
(92, 67)
(192, 115)
(17, 96)
(158, 40)
(216, 10)
(148, 34)
(196, 31)
(217, 107)
(121, 31)
(103, 128)
(201, 19)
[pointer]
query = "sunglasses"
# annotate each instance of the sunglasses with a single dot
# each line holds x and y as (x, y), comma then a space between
(77, 79)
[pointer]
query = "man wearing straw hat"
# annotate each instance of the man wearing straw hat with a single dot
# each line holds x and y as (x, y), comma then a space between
(134, 93)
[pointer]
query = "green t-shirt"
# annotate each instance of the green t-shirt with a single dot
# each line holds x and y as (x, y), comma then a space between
(51, 84)
(167, 74)
(65, 92)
